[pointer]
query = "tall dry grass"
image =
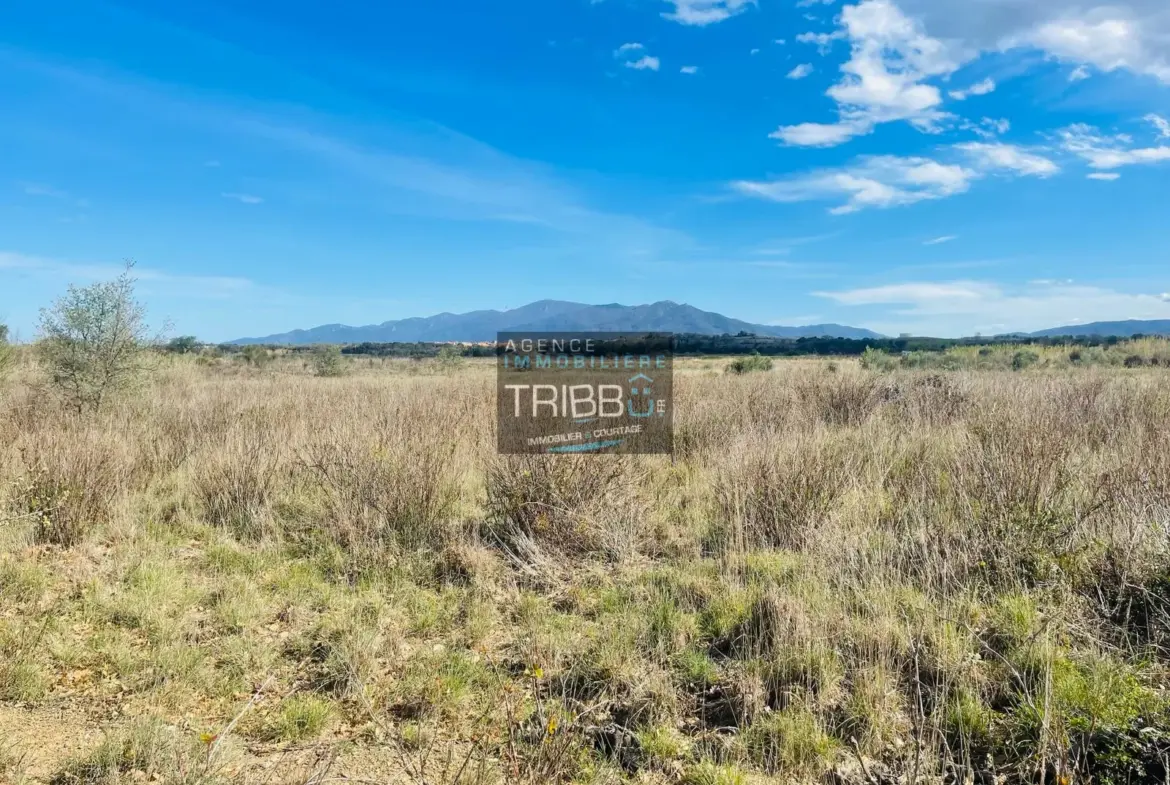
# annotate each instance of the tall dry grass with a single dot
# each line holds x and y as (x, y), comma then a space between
(899, 575)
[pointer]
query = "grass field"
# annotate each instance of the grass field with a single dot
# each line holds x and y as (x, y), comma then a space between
(844, 575)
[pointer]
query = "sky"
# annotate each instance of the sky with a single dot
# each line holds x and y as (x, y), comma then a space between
(936, 167)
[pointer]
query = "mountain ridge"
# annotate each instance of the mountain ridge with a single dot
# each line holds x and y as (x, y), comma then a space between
(1126, 328)
(551, 316)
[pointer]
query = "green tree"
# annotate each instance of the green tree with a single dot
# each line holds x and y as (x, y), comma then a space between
(327, 361)
(93, 341)
(183, 344)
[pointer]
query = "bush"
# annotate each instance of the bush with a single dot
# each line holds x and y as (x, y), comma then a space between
(877, 360)
(93, 341)
(184, 344)
(327, 361)
(755, 362)
(256, 356)
(1024, 359)
(7, 353)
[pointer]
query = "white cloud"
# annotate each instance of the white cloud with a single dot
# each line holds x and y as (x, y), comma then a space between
(1108, 152)
(876, 181)
(1108, 176)
(824, 41)
(689, 69)
(884, 81)
(1080, 73)
(801, 71)
(987, 128)
(244, 198)
(704, 12)
(890, 181)
(998, 155)
(189, 285)
(644, 63)
(1108, 34)
(779, 41)
(979, 88)
(1106, 38)
(1161, 123)
(957, 307)
(628, 53)
(754, 51)
(946, 238)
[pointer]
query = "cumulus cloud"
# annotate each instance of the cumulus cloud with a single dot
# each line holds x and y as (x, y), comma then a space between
(1107, 34)
(700, 13)
(979, 88)
(1107, 176)
(689, 69)
(1102, 151)
(1080, 73)
(801, 71)
(884, 78)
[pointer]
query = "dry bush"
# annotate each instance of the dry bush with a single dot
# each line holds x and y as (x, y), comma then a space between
(773, 492)
(237, 482)
(72, 481)
(388, 471)
(571, 505)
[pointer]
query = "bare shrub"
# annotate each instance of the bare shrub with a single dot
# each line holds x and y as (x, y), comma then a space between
(389, 481)
(237, 481)
(773, 492)
(574, 505)
(843, 399)
(72, 483)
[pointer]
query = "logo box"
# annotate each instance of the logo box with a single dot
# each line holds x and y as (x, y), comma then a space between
(567, 393)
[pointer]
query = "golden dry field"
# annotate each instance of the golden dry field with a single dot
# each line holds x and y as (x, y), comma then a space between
(252, 574)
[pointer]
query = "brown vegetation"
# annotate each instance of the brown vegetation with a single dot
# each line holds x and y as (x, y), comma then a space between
(870, 576)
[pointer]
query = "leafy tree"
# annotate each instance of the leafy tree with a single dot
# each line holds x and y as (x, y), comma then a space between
(183, 344)
(327, 361)
(93, 341)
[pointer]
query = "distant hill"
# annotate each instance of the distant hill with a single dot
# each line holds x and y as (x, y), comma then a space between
(552, 315)
(1124, 329)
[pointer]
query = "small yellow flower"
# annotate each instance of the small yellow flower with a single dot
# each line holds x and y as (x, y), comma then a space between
(553, 723)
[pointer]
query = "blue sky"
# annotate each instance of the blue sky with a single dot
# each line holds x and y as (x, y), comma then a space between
(931, 166)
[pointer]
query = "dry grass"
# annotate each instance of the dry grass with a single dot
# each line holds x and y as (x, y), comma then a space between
(902, 577)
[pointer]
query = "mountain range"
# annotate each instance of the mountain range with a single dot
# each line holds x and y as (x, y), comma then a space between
(1126, 329)
(550, 316)
(665, 316)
